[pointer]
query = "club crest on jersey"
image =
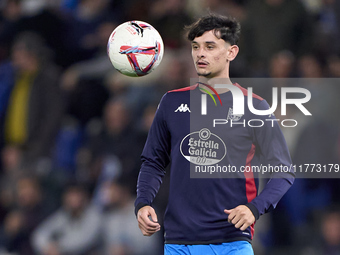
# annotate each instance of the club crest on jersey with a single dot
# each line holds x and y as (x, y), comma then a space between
(232, 116)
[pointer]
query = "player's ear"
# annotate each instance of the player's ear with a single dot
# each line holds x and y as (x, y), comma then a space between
(232, 52)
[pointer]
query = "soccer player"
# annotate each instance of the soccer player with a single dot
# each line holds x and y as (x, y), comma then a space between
(210, 215)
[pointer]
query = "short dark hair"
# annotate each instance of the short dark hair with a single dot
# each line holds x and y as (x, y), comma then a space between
(226, 28)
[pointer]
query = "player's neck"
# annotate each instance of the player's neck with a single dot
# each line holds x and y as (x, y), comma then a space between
(215, 81)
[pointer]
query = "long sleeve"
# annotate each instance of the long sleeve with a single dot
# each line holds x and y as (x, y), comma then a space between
(72, 236)
(155, 157)
(194, 212)
(83, 235)
(44, 234)
(274, 151)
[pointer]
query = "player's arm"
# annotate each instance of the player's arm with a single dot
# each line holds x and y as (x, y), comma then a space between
(273, 147)
(155, 158)
(271, 143)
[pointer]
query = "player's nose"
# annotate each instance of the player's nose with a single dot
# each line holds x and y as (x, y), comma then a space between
(200, 53)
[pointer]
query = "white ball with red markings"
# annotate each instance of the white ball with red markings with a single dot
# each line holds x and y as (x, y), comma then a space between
(135, 48)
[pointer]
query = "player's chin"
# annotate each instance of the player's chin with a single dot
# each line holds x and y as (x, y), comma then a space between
(204, 74)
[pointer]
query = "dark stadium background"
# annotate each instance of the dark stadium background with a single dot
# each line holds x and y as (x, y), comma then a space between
(86, 124)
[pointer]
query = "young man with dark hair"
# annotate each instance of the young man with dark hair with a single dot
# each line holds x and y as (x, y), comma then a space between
(210, 215)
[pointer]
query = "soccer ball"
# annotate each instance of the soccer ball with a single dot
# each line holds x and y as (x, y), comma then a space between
(135, 48)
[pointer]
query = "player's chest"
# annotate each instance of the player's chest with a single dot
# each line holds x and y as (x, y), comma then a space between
(187, 124)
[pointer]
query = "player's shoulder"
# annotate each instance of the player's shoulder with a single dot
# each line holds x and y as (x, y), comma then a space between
(182, 94)
(185, 89)
(176, 97)
(246, 94)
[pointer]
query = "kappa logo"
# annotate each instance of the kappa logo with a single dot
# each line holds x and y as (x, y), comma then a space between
(232, 116)
(183, 108)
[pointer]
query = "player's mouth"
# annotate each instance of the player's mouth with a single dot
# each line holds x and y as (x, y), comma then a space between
(201, 63)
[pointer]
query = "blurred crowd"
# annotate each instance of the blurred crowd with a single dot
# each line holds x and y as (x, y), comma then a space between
(72, 128)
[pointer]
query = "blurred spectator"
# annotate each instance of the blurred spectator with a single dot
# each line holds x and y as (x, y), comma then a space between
(135, 9)
(73, 229)
(69, 140)
(95, 68)
(68, 5)
(117, 84)
(169, 18)
(86, 101)
(324, 102)
(83, 81)
(22, 221)
(272, 26)
(82, 25)
(234, 8)
(35, 16)
(310, 67)
(317, 144)
(326, 240)
(334, 66)
(111, 170)
(117, 140)
(11, 161)
(281, 65)
(10, 14)
(327, 36)
(146, 121)
(34, 104)
(121, 234)
(11, 158)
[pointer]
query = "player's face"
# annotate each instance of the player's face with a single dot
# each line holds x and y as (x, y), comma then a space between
(211, 55)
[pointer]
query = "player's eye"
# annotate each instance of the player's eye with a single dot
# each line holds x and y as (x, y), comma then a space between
(194, 47)
(210, 47)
